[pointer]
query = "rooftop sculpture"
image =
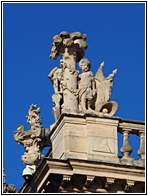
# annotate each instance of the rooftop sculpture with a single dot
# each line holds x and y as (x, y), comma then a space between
(77, 137)
(33, 140)
(74, 92)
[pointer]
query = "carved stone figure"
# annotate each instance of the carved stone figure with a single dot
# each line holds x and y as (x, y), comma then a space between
(56, 76)
(71, 48)
(86, 86)
(33, 140)
(74, 92)
(57, 100)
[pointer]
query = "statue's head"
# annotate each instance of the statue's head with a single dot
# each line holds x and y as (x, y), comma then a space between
(84, 65)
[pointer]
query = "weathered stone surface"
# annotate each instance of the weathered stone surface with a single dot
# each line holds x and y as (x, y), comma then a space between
(95, 138)
(75, 92)
(33, 140)
(83, 157)
(86, 138)
(83, 176)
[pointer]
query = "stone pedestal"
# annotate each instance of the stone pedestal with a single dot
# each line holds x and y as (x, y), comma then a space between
(85, 137)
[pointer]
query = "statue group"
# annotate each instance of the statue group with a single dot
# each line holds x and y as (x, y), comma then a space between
(76, 92)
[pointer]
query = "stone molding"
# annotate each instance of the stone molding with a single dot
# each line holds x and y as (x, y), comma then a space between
(87, 172)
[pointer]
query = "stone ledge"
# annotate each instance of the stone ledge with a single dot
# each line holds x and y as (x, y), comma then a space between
(91, 169)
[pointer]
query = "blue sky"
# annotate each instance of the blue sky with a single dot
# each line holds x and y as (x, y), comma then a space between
(115, 34)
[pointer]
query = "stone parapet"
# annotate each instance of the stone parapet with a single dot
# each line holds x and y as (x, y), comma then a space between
(90, 137)
(85, 137)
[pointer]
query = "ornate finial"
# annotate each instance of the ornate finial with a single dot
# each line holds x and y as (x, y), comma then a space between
(33, 117)
(74, 41)
(33, 140)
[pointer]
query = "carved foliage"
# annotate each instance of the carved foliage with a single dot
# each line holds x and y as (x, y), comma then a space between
(33, 117)
(74, 41)
(33, 140)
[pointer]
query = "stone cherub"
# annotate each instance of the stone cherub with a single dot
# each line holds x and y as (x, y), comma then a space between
(86, 86)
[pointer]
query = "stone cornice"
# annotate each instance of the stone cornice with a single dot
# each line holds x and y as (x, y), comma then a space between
(86, 168)
(122, 122)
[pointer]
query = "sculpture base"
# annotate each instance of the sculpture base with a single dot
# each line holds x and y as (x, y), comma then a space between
(85, 137)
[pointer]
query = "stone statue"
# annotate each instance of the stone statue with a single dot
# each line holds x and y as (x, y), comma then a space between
(86, 86)
(56, 76)
(74, 92)
(71, 48)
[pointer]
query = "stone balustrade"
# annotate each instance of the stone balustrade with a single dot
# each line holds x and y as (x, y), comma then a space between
(84, 157)
(128, 129)
(93, 138)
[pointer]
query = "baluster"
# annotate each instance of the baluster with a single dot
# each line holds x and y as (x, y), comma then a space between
(126, 149)
(141, 151)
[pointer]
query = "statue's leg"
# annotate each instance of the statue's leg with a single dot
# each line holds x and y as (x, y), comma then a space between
(83, 102)
(90, 104)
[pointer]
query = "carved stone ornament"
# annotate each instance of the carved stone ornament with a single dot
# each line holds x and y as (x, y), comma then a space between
(74, 92)
(33, 140)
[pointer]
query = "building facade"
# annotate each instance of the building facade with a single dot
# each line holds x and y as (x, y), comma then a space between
(83, 155)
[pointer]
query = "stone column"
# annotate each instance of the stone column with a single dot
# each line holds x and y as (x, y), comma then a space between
(126, 149)
(70, 76)
(71, 48)
(141, 151)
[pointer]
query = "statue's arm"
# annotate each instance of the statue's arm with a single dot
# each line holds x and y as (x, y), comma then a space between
(51, 73)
